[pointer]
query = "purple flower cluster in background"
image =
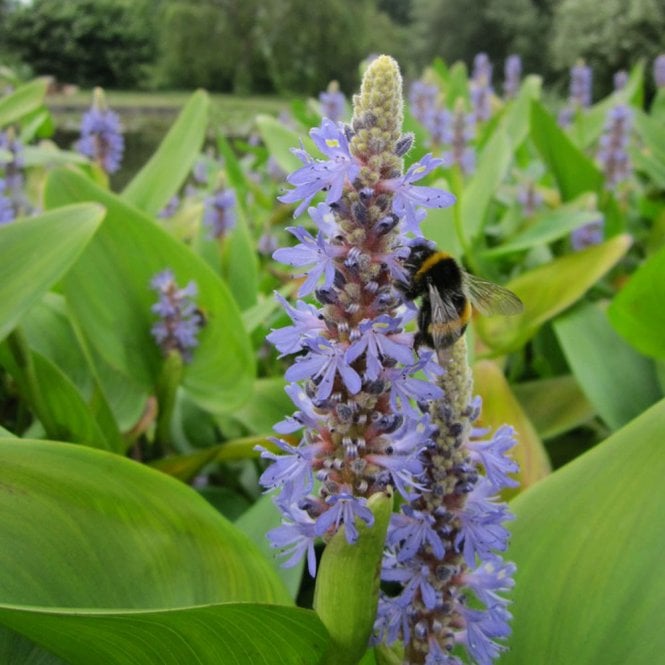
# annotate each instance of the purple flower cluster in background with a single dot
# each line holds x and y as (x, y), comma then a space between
(619, 80)
(512, 76)
(659, 71)
(444, 545)
(333, 102)
(219, 212)
(481, 87)
(529, 198)
(423, 102)
(179, 319)
(581, 78)
(580, 90)
(101, 136)
(588, 234)
(13, 201)
(613, 147)
(460, 132)
(6, 207)
(353, 382)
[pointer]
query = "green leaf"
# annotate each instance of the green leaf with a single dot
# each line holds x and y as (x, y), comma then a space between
(516, 119)
(548, 290)
(255, 523)
(587, 544)
(116, 534)
(546, 227)
(492, 168)
(554, 405)
(500, 407)
(268, 405)
(240, 265)
(347, 585)
(618, 381)
(209, 635)
(37, 252)
(109, 293)
(574, 172)
(279, 141)
(22, 101)
(153, 186)
(60, 406)
(637, 311)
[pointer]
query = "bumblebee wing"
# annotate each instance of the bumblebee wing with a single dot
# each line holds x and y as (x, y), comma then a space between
(443, 311)
(490, 298)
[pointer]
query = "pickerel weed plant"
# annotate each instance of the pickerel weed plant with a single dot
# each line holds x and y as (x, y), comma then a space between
(373, 413)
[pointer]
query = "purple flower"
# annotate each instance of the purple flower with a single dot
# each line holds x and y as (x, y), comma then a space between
(101, 138)
(580, 85)
(413, 530)
(380, 339)
(392, 621)
(659, 71)
(170, 208)
(620, 80)
(332, 102)
(296, 538)
(325, 360)
(407, 195)
(481, 518)
(481, 87)
(6, 207)
(513, 74)
(308, 322)
(317, 253)
(293, 468)
(180, 321)
(322, 175)
(344, 508)
(219, 212)
(492, 455)
(423, 101)
(589, 234)
(482, 628)
(613, 149)
(489, 578)
(405, 388)
(306, 416)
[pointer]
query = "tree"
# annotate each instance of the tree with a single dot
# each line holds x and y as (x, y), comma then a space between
(610, 35)
(88, 42)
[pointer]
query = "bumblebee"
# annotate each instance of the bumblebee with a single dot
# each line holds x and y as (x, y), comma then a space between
(448, 296)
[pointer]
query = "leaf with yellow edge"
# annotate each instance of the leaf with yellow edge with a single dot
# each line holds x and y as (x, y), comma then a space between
(548, 290)
(500, 407)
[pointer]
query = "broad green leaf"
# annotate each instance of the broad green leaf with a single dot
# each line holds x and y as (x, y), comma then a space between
(515, 122)
(116, 535)
(109, 293)
(255, 523)
(347, 585)
(651, 132)
(49, 331)
(637, 311)
(500, 407)
(186, 466)
(439, 226)
(49, 155)
(268, 405)
(588, 547)
(554, 405)
(574, 172)
(618, 381)
(23, 100)
(492, 168)
(548, 290)
(154, 185)
(458, 84)
(279, 141)
(5, 433)
(207, 635)
(240, 265)
(650, 163)
(58, 404)
(547, 227)
(37, 252)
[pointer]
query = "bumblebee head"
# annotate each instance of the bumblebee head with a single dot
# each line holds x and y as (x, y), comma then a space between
(420, 250)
